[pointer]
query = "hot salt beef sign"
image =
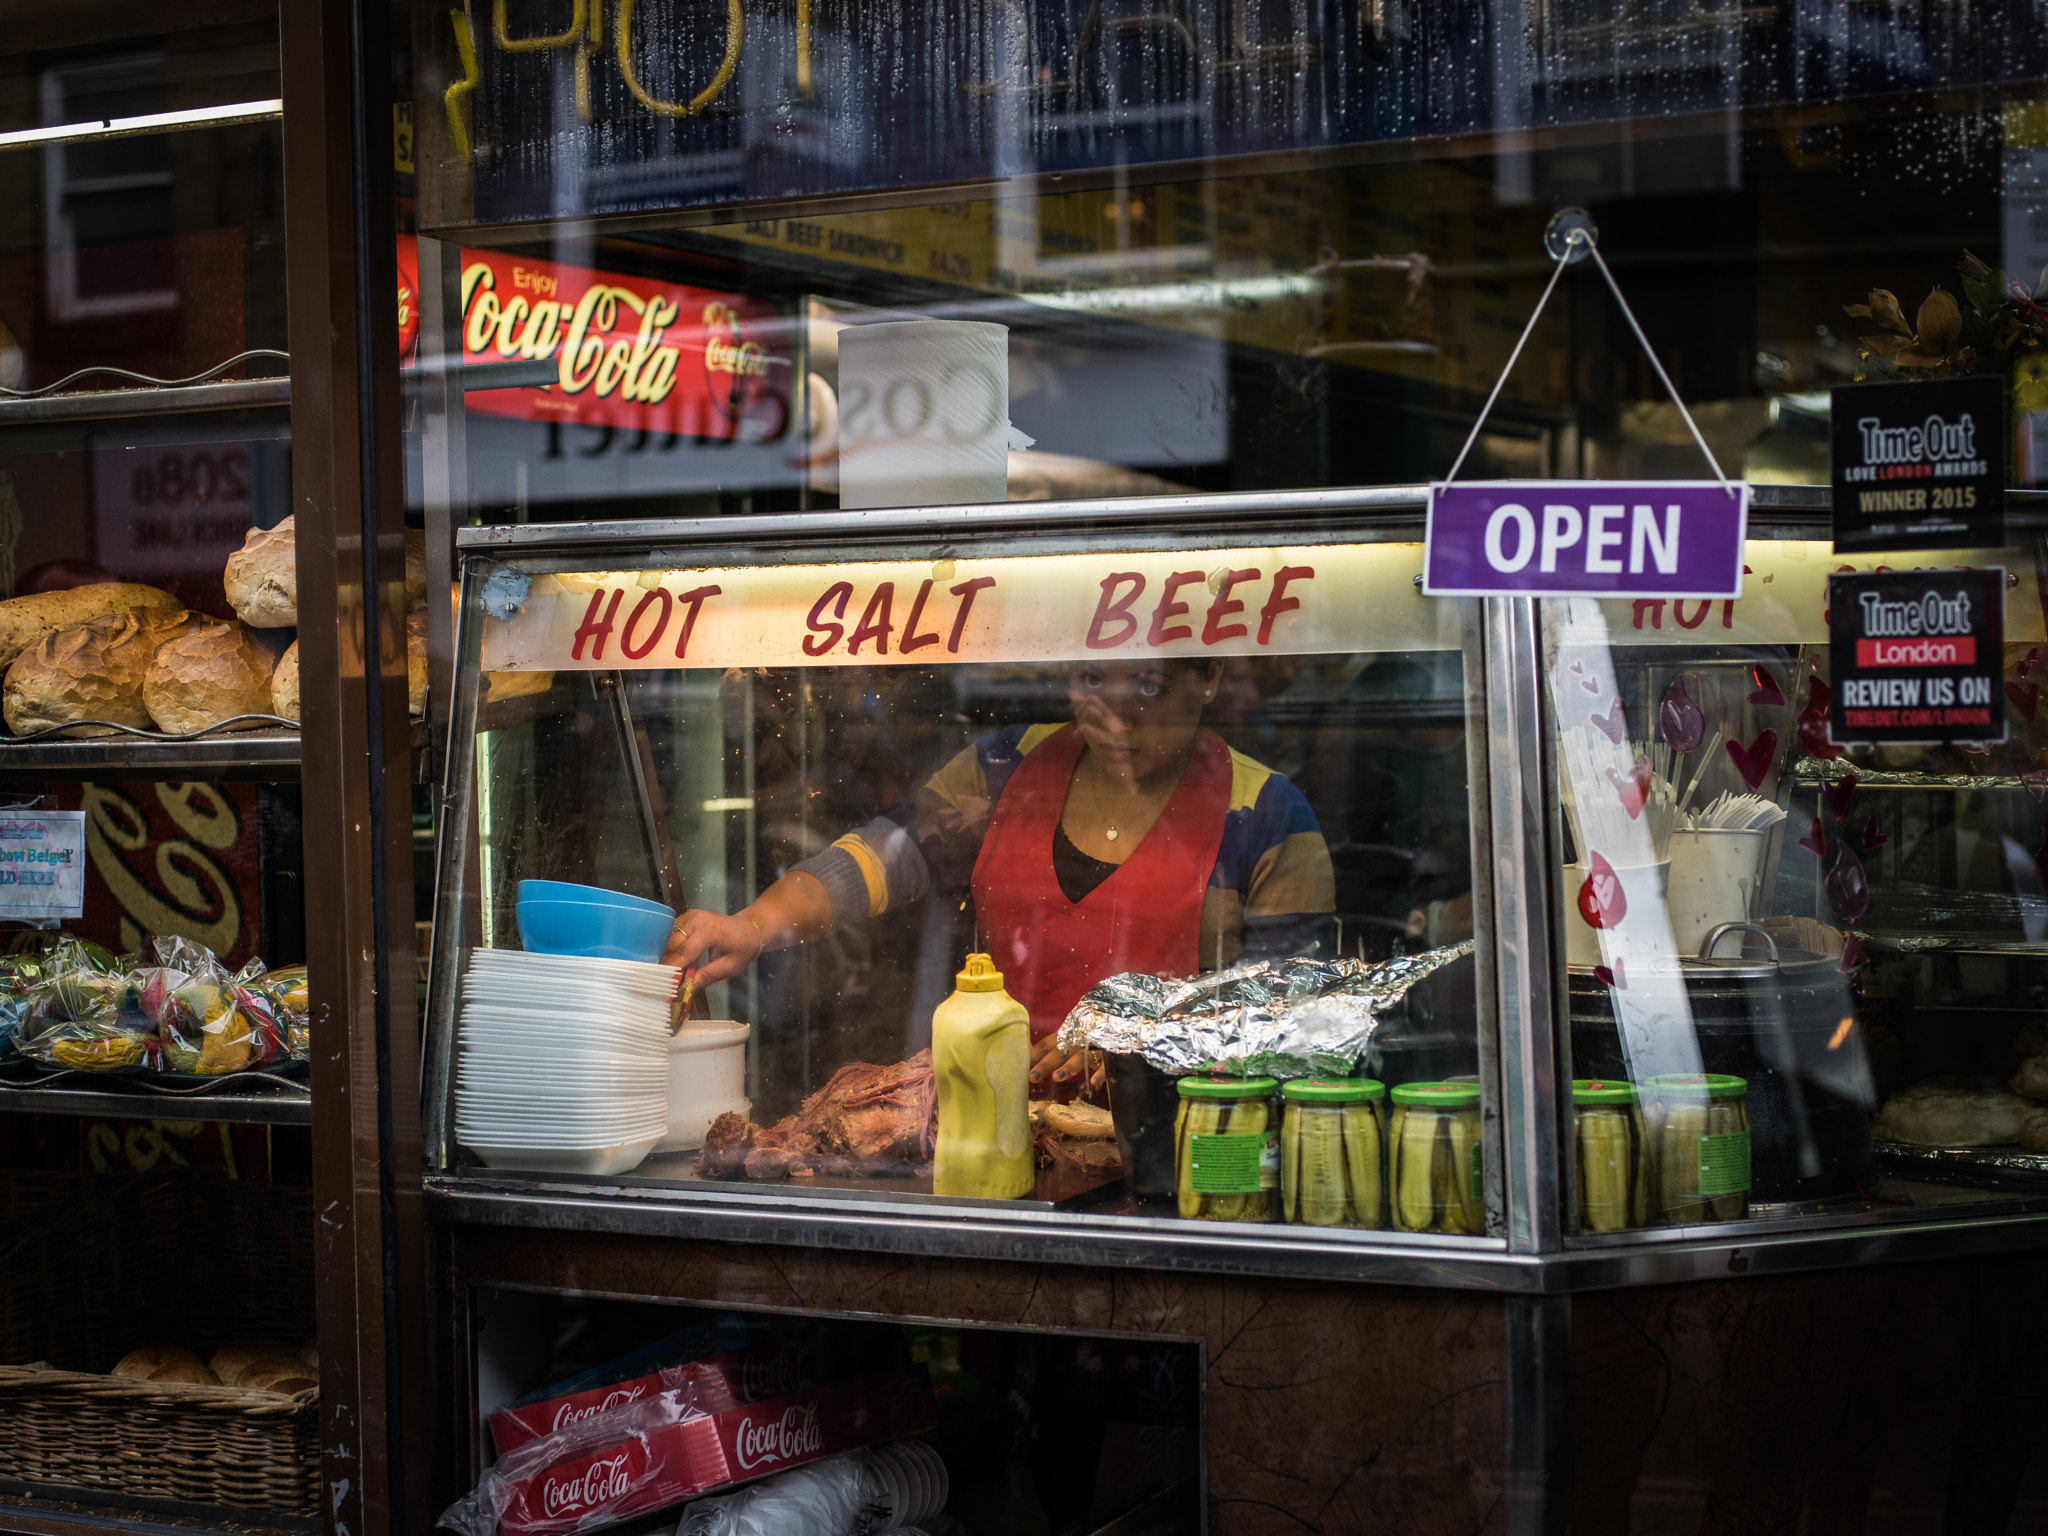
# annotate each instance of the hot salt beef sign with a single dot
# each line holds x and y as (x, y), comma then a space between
(1586, 538)
(1917, 656)
(1919, 465)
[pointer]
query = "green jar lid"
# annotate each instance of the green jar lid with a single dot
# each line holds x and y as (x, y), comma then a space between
(1227, 1087)
(1333, 1090)
(1438, 1095)
(1698, 1085)
(1602, 1090)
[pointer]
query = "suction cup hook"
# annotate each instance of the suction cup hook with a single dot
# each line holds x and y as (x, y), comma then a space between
(1558, 235)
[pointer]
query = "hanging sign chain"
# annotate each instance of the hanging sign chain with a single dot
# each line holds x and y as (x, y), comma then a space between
(1572, 238)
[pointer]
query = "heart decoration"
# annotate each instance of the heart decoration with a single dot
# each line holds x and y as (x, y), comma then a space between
(1819, 697)
(2026, 700)
(1873, 835)
(1614, 724)
(1575, 669)
(1813, 737)
(2027, 665)
(1853, 955)
(1602, 902)
(1767, 692)
(1635, 789)
(1591, 685)
(1754, 761)
(1679, 719)
(1612, 976)
(1816, 841)
(1838, 793)
(1848, 887)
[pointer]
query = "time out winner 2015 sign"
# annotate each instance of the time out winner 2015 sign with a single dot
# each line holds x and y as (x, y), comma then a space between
(1117, 605)
(1586, 538)
(1917, 656)
(1919, 465)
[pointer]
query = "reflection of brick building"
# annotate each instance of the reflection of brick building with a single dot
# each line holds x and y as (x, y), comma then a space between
(160, 254)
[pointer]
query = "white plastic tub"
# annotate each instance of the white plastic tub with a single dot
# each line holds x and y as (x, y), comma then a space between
(707, 1076)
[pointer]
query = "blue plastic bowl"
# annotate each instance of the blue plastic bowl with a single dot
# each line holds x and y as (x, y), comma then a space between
(588, 895)
(581, 928)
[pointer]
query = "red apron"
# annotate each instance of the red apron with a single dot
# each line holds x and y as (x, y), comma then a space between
(1147, 916)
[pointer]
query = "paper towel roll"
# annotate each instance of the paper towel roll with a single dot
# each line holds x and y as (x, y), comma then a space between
(924, 413)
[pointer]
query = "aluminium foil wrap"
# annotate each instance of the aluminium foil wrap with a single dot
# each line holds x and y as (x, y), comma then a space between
(1285, 1018)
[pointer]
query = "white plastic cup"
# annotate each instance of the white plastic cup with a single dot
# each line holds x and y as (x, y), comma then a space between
(1643, 889)
(707, 1076)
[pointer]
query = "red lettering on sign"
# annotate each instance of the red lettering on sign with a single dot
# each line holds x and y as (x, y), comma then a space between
(874, 621)
(1656, 608)
(692, 600)
(1280, 602)
(1161, 632)
(1111, 609)
(1678, 613)
(1224, 606)
(654, 635)
(912, 640)
(837, 594)
(595, 629)
(965, 592)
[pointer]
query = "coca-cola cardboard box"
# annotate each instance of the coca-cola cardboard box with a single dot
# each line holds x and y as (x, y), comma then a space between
(662, 1451)
(795, 1360)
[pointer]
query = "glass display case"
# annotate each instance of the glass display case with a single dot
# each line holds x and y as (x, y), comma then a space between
(1234, 753)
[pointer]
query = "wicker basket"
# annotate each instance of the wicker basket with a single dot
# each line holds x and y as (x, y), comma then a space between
(219, 1446)
(92, 1266)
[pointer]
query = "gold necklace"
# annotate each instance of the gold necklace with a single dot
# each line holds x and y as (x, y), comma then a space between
(1110, 829)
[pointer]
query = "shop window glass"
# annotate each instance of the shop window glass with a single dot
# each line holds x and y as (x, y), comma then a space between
(1802, 979)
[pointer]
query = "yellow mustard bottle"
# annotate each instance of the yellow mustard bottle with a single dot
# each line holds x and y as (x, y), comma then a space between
(981, 1057)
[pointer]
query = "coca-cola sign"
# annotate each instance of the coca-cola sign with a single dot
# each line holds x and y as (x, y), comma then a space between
(763, 1443)
(575, 1410)
(593, 1487)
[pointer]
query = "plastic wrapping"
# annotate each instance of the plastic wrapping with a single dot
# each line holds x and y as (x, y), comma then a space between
(207, 1022)
(1278, 1018)
(74, 1016)
(661, 1450)
(79, 1008)
(828, 1498)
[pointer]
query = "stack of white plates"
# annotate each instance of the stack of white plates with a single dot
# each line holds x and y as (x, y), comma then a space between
(564, 1061)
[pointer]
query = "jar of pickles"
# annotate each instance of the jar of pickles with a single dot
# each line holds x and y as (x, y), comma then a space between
(1439, 1176)
(1227, 1148)
(1333, 1153)
(1699, 1146)
(1613, 1156)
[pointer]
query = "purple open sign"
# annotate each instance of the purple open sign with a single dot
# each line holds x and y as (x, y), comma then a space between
(1586, 538)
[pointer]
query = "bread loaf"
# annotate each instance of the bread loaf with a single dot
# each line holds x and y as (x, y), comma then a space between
(416, 662)
(284, 684)
(277, 1373)
(308, 1351)
(235, 1357)
(190, 1372)
(262, 577)
(25, 620)
(1938, 1114)
(92, 671)
(143, 1364)
(210, 675)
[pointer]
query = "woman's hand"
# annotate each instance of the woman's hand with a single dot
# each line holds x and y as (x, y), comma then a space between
(711, 946)
(1051, 1064)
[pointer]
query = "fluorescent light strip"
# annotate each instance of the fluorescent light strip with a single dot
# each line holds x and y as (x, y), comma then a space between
(155, 122)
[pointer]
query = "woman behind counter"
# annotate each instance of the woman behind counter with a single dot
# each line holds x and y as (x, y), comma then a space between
(1131, 839)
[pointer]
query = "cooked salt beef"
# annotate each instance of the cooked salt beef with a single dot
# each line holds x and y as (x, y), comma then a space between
(868, 1119)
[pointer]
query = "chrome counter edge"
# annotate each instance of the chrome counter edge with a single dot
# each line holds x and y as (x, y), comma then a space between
(1123, 1242)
